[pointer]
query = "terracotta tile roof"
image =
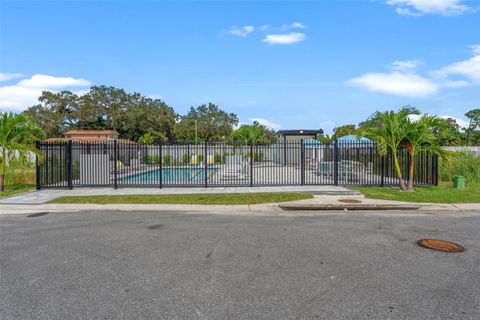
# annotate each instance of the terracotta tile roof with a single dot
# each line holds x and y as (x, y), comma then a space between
(89, 140)
(93, 132)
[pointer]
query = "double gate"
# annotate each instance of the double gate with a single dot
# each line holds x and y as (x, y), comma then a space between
(119, 164)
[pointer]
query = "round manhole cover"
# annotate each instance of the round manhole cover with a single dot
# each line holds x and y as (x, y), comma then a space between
(440, 245)
(350, 201)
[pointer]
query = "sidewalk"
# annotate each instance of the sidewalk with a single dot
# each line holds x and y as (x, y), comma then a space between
(46, 195)
(320, 203)
(359, 202)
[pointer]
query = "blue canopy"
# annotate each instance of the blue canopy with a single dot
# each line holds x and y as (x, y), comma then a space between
(351, 139)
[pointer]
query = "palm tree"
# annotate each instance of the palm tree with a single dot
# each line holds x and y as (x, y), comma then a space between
(421, 136)
(146, 138)
(389, 129)
(17, 139)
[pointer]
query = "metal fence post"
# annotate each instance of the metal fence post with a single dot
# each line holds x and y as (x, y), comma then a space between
(161, 164)
(335, 163)
(115, 164)
(435, 170)
(382, 181)
(252, 158)
(69, 165)
(206, 163)
(38, 168)
(302, 163)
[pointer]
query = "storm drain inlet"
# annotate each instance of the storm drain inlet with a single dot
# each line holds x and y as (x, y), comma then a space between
(37, 214)
(440, 245)
(349, 201)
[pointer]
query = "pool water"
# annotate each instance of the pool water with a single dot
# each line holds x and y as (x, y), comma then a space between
(169, 174)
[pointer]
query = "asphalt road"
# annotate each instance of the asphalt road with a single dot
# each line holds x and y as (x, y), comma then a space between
(166, 265)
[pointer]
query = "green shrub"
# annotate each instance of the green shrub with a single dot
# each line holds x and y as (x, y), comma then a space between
(200, 157)
(459, 163)
(258, 156)
(152, 159)
(76, 170)
(185, 159)
(20, 171)
(166, 160)
(217, 158)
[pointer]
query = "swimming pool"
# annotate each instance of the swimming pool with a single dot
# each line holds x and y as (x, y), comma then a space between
(169, 174)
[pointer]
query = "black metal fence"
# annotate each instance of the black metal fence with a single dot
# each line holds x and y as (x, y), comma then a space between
(115, 164)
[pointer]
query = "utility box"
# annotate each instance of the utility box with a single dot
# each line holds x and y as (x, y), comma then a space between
(459, 182)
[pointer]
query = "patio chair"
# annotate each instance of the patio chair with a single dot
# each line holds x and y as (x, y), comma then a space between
(210, 159)
(194, 160)
(325, 168)
(350, 170)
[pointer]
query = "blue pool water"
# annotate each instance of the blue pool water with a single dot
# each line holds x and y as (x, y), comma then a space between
(169, 174)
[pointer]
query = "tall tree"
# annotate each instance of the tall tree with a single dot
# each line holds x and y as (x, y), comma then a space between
(254, 133)
(112, 103)
(206, 122)
(389, 129)
(449, 133)
(146, 115)
(421, 135)
(131, 114)
(345, 130)
(17, 139)
(474, 116)
(56, 112)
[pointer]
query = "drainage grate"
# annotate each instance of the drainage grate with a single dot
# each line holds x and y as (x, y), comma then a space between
(37, 214)
(440, 245)
(349, 201)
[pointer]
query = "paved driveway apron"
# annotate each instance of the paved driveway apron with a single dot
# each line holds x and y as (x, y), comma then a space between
(165, 265)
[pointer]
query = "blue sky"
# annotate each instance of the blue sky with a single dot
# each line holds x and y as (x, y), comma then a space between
(312, 64)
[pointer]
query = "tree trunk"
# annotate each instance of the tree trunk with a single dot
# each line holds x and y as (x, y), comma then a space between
(399, 172)
(411, 172)
(469, 132)
(3, 169)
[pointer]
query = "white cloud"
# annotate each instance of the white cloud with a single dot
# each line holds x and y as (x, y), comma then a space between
(287, 38)
(422, 7)
(295, 25)
(397, 83)
(455, 83)
(405, 81)
(9, 76)
(405, 65)
(267, 123)
(242, 31)
(469, 68)
(25, 93)
(51, 82)
(461, 122)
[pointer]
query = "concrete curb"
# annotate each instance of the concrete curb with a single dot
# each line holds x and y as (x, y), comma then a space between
(274, 208)
(348, 207)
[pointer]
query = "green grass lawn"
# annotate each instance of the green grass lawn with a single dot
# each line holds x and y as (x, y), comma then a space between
(17, 188)
(223, 198)
(444, 193)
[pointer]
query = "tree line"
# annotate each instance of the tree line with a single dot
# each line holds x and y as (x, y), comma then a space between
(446, 131)
(139, 118)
